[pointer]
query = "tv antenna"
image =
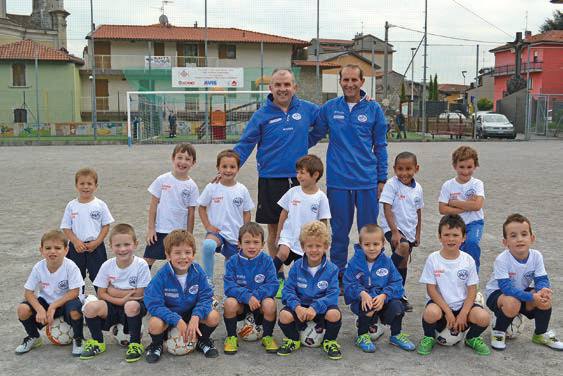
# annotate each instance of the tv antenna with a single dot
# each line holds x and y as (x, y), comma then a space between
(163, 20)
(164, 2)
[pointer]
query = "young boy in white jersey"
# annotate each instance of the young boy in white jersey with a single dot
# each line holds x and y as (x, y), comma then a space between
(250, 285)
(179, 296)
(301, 204)
(510, 290)
(173, 200)
(85, 222)
(120, 284)
(60, 294)
(464, 195)
(223, 208)
(451, 280)
(401, 205)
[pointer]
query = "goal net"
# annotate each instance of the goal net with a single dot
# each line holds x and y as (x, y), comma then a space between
(193, 116)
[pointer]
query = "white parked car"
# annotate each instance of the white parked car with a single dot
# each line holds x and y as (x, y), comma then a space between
(452, 116)
(494, 125)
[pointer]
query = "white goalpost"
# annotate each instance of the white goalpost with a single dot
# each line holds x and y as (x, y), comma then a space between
(194, 116)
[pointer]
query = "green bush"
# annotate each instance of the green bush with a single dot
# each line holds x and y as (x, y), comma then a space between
(483, 104)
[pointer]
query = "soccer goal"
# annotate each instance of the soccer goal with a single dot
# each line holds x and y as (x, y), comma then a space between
(194, 116)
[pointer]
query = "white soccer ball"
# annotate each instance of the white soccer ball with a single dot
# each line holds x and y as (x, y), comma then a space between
(312, 335)
(375, 331)
(247, 329)
(123, 339)
(449, 337)
(89, 298)
(176, 345)
(60, 333)
(516, 327)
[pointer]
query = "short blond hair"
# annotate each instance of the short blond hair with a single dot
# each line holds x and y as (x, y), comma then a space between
(55, 235)
(177, 238)
(315, 229)
(371, 228)
(122, 229)
(86, 171)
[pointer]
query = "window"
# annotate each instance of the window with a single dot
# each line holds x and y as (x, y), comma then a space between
(20, 115)
(18, 74)
(227, 51)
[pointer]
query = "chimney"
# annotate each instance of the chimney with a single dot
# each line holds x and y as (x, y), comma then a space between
(527, 34)
(244, 34)
(195, 25)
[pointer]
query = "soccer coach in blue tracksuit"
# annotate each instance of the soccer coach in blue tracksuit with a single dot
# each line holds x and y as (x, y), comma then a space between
(356, 159)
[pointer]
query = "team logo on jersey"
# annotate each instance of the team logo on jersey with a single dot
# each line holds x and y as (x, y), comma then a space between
(96, 215)
(237, 201)
(417, 201)
(322, 285)
(259, 278)
(362, 118)
(63, 285)
(462, 274)
(470, 192)
(193, 289)
(296, 116)
(382, 272)
(185, 195)
(315, 208)
(133, 281)
(528, 277)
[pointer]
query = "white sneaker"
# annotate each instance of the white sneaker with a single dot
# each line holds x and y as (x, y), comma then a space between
(77, 346)
(28, 343)
(548, 339)
(498, 339)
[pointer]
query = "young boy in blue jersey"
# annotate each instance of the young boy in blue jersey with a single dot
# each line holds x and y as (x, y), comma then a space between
(310, 293)
(400, 205)
(510, 292)
(373, 288)
(179, 296)
(250, 284)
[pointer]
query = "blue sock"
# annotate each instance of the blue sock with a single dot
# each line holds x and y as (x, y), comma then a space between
(207, 254)
(277, 263)
(77, 327)
(503, 321)
(396, 324)
(290, 330)
(332, 329)
(30, 326)
(231, 326)
(541, 318)
(429, 329)
(475, 331)
(95, 327)
(396, 259)
(364, 324)
(135, 325)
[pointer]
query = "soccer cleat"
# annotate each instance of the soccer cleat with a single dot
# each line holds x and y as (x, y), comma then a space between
(406, 304)
(280, 288)
(478, 345)
(134, 352)
(498, 340)
(548, 339)
(215, 304)
(269, 344)
(425, 345)
(332, 349)
(231, 345)
(153, 353)
(27, 344)
(92, 348)
(207, 347)
(77, 346)
(364, 343)
(402, 341)
(288, 347)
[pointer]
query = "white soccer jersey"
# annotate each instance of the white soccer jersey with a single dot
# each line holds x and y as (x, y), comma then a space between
(521, 275)
(225, 206)
(452, 190)
(53, 286)
(175, 196)
(451, 277)
(86, 220)
(301, 208)
(136, 275)
(404, 201)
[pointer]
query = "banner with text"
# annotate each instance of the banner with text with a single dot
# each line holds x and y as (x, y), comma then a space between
(157, 62)
(208, 77)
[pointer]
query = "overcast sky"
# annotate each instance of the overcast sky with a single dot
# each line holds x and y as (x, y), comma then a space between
(489, 23)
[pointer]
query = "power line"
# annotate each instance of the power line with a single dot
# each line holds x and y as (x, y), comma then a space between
(446, 36)
(478, 16)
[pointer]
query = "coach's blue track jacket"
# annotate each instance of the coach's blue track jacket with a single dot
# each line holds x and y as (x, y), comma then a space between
(383, 278)
(319, 292)
(356, 157)
(282, 138)
(165, 299)
(246, 277)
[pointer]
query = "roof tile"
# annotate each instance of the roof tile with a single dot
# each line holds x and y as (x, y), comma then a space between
(24, 50)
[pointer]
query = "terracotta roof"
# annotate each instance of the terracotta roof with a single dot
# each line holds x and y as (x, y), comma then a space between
(181, 33)
(24, 50)
(336, 41)
(452, 88)
(550, 37)
(322, 64)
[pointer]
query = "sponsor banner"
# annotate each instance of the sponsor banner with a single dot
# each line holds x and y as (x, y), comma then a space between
(208, 77)
(158, 62)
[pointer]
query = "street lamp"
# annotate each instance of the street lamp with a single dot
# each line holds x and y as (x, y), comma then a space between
(464, 93)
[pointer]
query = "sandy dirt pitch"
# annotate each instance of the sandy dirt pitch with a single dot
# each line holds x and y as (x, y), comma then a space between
(37, 182)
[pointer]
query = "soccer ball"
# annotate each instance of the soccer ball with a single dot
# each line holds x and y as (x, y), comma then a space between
(480, 299)
(123, 339)
(312, 335)
(374, 331)
(247, 329)
(60, 333)
(516, 327)
(177, 346)
(449, 337)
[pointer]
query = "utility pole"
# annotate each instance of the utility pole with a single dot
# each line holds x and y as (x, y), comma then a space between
(385, 60)
(412, 81)
(93, 75)
(424, 69)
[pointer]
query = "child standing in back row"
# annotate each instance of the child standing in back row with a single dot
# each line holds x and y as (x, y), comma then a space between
(173, 200)
(464, 195)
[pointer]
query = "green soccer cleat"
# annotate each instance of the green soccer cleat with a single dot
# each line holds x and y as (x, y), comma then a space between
(280, 288)
(134, 352)
(478, 346)
(332, 349)
(92, 348)
(288, 347)
(425, 345)
(269, 345)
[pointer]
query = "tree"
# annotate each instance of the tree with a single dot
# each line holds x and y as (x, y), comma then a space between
(483, 104)
(429, 90)
(435, 95)
(403, 95)
(552, 24)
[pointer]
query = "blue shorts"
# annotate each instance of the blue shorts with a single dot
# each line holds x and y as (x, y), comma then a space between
(318, 319)
(156, 249)
(226, 249)
(64, 311)
(386, 314)
(388, 235)
(258, 317)
(493, 300)
(116, 315)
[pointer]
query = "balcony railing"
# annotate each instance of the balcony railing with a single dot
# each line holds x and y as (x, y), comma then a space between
(105, 63)
(503, 70)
